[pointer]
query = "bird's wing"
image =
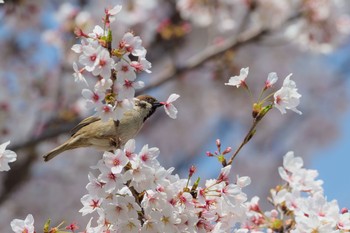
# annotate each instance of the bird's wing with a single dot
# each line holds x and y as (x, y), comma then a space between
(83, 123)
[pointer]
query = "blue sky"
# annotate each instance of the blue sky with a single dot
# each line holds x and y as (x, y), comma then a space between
(333, 165)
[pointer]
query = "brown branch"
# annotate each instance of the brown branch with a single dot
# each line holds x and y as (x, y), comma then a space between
(49, 133)
(208, 54)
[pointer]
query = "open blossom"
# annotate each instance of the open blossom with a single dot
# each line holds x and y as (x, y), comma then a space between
(287, 97)
(125, 70)
(97, 32)
(271, 79)
(240, 79)
(93, 99)
(126, 88)
(106, 112)
(141, 65)
(115, 161)
(90, 56)
(132, 44)
(91, 203)
(102, 85)
(6, 157)
(23, 226)
(113, 12)
(170, 109)
(103, 65)
(78, 74)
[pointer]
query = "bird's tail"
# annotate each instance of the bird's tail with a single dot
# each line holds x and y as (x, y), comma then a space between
(58, 150)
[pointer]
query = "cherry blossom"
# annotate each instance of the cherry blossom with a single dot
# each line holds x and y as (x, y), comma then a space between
(91, 204)
(103, 85)
(287, 97)
(121, 106)
(113, 12)
(271, 79)
(132, 44)
(106, 112)
(23, 226)
(104, 65)
(93, 99)
(125, 70)
(90, 56)
(78, 74)
(141, 65)
(169, 108)
(239, 80)
(126, 89)
(115, 161)
(6, 157)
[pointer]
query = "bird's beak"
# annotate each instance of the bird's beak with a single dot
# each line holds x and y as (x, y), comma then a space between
(157, 105)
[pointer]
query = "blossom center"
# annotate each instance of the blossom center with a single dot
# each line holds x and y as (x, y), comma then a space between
(93, 57)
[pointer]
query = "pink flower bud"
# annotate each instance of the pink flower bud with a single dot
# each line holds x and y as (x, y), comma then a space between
(192, 170)
(79, 33)
(274, 213)
(227, 150)
(209, 154)
(344, 210)
(218, 143)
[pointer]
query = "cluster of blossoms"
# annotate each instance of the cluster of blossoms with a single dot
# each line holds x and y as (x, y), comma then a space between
(133, 193)
(287, 97)
(114, 90)
(299, 205)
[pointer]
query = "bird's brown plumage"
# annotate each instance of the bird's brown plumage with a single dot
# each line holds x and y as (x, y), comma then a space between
(108, 135)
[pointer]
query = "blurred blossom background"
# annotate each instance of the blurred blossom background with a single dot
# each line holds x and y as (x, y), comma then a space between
(194, 47)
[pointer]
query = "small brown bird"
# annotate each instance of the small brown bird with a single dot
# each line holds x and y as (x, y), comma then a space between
(111, 134)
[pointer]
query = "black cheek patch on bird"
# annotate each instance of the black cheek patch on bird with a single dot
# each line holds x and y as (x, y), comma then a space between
(153, 109)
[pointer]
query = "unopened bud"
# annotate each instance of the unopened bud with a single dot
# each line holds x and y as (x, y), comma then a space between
(274, 213)
(209, 154)
(192, 170)
(218, 143)
(79, 33)
(255, 207)
(227, 150)
(344, 210)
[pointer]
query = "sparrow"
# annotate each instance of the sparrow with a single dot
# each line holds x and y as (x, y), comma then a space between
(109, 135)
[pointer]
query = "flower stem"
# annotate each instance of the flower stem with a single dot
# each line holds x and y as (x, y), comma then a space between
(249, 135)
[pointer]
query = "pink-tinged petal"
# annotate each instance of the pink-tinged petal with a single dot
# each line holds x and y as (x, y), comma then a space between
(3, 146)
(240, 79)
(271, 79)
(77, 48)
(115, 10)
(171, 110)
(172, 98)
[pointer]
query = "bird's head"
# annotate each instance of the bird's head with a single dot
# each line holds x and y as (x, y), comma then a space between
(147, 103)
